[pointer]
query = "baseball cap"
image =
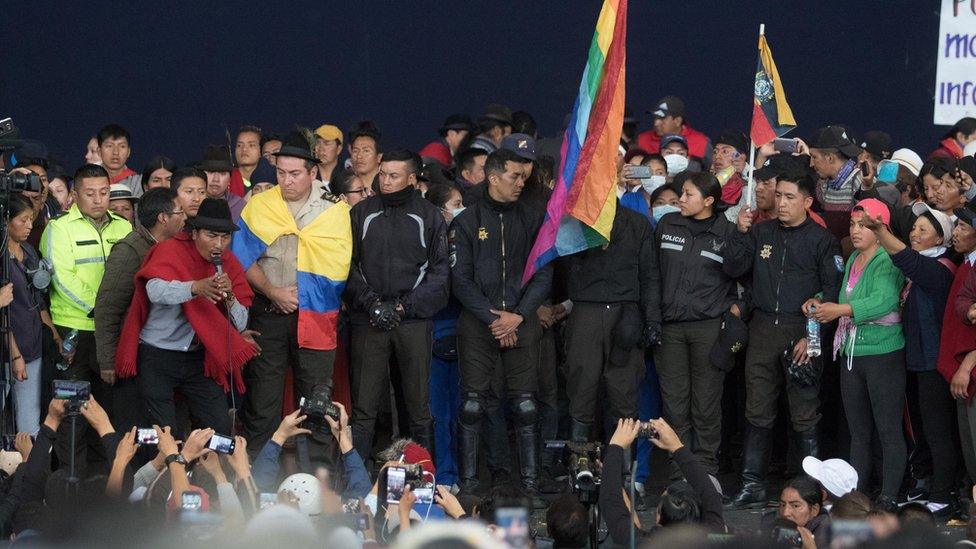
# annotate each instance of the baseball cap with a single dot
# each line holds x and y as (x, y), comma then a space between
(774, 166)
(520, 144)
(835, 475)
(941, 221)
(874, 208)
(669, 105)
(669, 138)
(967, 213)
(902, 157)
(328, 131)
(835, 137)
(877, 143)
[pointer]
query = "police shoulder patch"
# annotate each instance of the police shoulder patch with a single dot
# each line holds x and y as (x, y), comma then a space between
(839, 263)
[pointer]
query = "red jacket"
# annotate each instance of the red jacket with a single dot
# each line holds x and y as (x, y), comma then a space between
(948, 148)
(698, 142)
(237, 183)
(958, 338)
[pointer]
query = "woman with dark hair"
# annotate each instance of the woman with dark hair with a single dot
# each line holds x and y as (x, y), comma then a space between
(801, 502)
(697, 294)
(445, 378)
(870, 339)
(157, 173)
(955, 140)
(26, 313)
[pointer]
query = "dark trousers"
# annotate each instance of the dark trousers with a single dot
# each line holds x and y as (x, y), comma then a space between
(163, 372)
(480, 357)
(938, 414)
(89, 452)
(874, 398)
(691, 387)
(371, 351)
(766, 379)
(548, 396)
(265, 373)
(589, 344)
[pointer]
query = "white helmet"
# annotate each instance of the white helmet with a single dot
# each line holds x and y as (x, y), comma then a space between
(308, 491)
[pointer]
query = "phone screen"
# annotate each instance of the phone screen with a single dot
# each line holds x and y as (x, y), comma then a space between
(514, 524)
(147, 437)
(191, 501)
(425, 494)
(222, 444)
(268, 500)
(396, 481)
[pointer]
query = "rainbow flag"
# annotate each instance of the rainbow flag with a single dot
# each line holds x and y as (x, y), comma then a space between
(324, 256)
(771, 114)
(580, 212)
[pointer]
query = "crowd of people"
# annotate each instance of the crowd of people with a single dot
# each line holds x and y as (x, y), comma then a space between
(185, 341)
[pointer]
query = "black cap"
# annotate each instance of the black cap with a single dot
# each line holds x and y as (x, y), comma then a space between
(669, 105)
(297, 146)
(213, 215)
(775, 166)
(264, 172)
(216, 159)
(967, 213)
(835, 137)
(457, 122)
(732, 338)
(520, 144)
(497, 113)
(734, 139)
(877, 143)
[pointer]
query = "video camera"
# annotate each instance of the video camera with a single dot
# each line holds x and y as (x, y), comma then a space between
(316, 408)
(583, 472)
(14, 182)
(76, 393)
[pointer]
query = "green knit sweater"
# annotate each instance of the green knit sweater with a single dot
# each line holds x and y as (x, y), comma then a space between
(876, 294)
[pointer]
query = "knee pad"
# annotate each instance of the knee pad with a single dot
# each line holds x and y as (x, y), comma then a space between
(472, 409)
(526, 412)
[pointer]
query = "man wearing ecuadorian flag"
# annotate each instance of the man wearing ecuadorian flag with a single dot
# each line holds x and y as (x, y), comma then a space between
(296, 245)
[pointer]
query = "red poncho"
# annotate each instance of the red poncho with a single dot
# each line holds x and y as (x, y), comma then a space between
(177, 259)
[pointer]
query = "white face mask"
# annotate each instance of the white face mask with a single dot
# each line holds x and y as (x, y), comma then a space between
(456, 212)
(660, 211)
(676, 163)
(653, 183)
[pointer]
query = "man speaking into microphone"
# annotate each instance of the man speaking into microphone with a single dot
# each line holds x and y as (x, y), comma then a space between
(185, 329)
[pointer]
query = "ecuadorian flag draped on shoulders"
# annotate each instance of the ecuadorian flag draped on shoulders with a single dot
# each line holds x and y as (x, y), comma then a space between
(324, 256)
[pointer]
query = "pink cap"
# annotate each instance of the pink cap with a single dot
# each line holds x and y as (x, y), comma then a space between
(874, 208)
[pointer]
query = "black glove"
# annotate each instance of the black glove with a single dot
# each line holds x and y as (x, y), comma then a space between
(652, 335)
(384, 315)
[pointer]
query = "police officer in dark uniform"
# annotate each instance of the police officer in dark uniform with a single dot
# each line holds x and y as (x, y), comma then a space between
(498, 326)
(697, 291)
(615, 293)
(791, 259)
(397, 282)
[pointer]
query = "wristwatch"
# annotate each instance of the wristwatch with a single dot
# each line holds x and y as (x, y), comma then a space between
(175, 458)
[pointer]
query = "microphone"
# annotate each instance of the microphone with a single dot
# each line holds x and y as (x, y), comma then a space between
(218, 260)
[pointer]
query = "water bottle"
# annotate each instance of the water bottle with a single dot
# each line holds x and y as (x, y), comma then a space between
(813, 335)
(68, 346)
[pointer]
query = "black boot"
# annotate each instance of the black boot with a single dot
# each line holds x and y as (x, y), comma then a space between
(579, 431)
(468, 439)
(755, 457)
(424, 436)
(807, 444)
(527, 440)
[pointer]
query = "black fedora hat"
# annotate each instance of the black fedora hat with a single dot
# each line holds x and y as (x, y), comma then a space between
(216, 159)
(297, 146)
(213, 215)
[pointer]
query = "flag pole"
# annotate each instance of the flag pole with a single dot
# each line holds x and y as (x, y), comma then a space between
(751, 183)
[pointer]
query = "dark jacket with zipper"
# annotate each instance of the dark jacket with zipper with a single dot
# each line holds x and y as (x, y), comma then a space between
(930, 281)
(399, 252)
(490, 243)
(696, 281)
(623, 271)
(789, 265)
